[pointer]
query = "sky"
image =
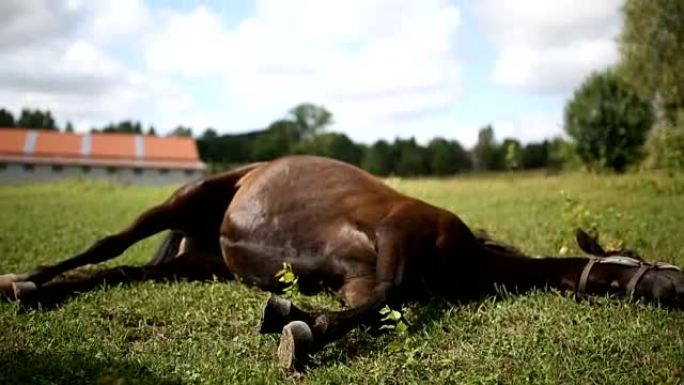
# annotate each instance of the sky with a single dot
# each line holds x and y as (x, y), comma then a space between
(384, 68)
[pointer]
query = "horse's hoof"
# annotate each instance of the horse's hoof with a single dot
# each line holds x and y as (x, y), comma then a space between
(276, 315)
(295, 345)
(23, 288)
(6, 281)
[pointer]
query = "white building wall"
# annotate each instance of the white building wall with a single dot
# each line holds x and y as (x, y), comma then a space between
(13, 173)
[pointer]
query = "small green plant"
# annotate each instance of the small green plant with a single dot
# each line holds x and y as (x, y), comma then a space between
(392, 320)
(288, 277)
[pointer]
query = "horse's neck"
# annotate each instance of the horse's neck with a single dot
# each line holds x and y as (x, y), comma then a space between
(518, 272)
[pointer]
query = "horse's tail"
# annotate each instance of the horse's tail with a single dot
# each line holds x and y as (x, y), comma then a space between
(168, 248)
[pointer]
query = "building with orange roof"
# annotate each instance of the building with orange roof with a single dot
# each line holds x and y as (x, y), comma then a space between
(35, 155)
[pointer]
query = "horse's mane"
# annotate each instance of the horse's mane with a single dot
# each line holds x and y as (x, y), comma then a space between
(486, 241)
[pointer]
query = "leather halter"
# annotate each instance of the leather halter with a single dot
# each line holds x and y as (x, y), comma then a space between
(625, 261)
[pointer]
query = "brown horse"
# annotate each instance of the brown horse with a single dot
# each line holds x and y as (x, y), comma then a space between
(342, 229)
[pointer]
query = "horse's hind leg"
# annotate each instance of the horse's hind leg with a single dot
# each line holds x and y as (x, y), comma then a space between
(152, 221)
(196, 209)
(191, 265)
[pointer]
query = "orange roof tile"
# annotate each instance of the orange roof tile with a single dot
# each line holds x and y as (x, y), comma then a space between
(12, 140)
(56, 143)
(110, 145)
(98, 149)
(173, 148)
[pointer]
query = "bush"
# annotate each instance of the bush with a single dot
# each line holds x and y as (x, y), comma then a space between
(562, 155)
(608, 122)
(665, 146)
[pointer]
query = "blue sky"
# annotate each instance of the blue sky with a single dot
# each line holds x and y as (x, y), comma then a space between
(420, 68)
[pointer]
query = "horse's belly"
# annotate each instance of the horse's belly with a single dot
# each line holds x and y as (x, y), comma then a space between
(317, 214)
(321, 252)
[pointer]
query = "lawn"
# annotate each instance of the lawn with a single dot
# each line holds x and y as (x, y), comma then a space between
(207, 332)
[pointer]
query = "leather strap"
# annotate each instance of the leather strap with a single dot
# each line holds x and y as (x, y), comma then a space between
(582, 285)
(666, 266)
(626, 261)
(631, 286)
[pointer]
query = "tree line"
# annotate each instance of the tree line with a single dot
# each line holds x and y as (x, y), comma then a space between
(303, 131)
(28, 118)
(626, 116)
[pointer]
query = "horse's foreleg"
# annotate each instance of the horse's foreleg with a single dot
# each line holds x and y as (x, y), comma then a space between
(300, 338)
(367, 294)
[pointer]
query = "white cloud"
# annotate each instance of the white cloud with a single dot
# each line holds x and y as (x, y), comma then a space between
(531, 127)
(371, 62)
(194, 44)
(56, 56)
(384, 63)
(550, 46)
(110, 20)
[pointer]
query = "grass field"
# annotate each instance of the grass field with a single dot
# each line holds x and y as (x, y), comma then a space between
(207, 333)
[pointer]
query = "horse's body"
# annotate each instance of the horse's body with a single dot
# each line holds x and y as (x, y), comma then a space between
(335, 225)
(341, 229)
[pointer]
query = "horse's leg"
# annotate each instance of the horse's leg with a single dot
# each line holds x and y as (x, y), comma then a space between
(190, 265)
(278, 312)
(150, 222)
(300, 338)
(195, 209)
(366, 294)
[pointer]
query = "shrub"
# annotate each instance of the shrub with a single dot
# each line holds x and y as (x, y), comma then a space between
(608, 122)
(665, 145)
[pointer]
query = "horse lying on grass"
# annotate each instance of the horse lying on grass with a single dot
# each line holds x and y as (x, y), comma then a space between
(339, 228)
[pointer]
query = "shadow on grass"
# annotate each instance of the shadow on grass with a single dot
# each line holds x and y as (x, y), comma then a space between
(371, 339)
(73, 368)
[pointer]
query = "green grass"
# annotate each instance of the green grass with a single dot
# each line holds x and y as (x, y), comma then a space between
(207, 333)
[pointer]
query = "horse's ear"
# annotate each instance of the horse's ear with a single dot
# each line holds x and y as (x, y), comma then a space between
(588, 244)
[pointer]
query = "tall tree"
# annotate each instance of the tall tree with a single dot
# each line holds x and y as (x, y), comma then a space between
(563, 155)
(6, 118)
(310, 119)
(512, 154)
(124, 126)
(487, 151)
(69, 127)
(36, 119)
(447, 157)
(665, 145)
(652, 56)
(209, 134)
(226, 150)
(332, 145)
(608, 121)
(379, 158)
(181, 131)
(535, 155)
(411, 158)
